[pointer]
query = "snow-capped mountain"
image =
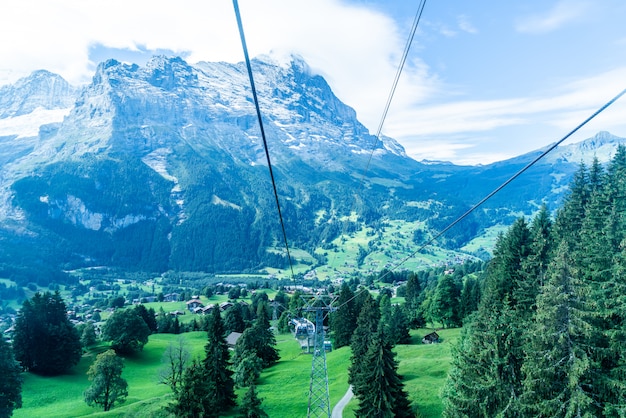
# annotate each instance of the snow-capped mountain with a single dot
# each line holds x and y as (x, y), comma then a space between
(601, 146)
(141, 110)
(163, 167)
(40, 90)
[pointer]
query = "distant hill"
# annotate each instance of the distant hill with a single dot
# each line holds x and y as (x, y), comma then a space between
(161, 168)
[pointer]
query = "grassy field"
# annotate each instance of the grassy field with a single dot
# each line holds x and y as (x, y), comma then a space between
(284, 387)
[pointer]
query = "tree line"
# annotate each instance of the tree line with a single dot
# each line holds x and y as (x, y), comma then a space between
(547, 339)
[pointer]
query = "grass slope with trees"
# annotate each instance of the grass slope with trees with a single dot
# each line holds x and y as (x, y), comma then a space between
(544, 327)
(283, 387)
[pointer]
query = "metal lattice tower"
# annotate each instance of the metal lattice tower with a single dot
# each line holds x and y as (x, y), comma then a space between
(319, 398)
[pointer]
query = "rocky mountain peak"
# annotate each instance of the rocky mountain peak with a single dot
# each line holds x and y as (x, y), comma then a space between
(41, 89)
(169, 73)
(602, 146)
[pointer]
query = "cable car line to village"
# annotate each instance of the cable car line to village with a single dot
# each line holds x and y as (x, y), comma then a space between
(394, 86)
(258, 113)
(319, 397)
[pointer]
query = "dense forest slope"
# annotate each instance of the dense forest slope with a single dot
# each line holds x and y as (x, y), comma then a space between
(547, 339)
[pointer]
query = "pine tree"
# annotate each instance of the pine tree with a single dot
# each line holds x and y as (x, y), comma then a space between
(445, 302)
(11, 381)
(616, 193)
(484, 379)
(384, 304)
(248, 367)
(45, 341)
(470, 297)
(617, 335)
(413, 301)
(207, 387)
(535, 265)
(258, 339)
(556, 362)
(217, 366)
(595, 269)
(504, 273)
(367, 324)
(194, 397)
(596, 177)
(398, 329)
(382, 391)
(251, 405)
(343, 321)
(570, 216)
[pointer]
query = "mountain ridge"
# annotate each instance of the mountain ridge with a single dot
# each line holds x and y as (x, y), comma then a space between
(162, 168)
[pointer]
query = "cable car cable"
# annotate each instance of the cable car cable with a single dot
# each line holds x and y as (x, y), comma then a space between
(258, 113)
(407, 48)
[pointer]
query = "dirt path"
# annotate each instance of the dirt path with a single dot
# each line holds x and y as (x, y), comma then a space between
(338, 409)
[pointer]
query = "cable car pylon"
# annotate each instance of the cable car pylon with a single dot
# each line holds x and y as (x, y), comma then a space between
(319, 397)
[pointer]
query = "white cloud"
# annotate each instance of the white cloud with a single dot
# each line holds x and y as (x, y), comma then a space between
(440, 28)
(357, 50)
(465, 25)
(563, 12)
(530, 121)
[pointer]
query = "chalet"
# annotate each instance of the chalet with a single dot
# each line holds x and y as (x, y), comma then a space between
(431, 338)
(231, 339)
(171, 297)
(194, 303)
(226, 305)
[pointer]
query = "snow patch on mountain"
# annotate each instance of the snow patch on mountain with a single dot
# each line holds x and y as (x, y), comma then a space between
(602, 146)
(27, 126)
(216, 200)
(157, 160)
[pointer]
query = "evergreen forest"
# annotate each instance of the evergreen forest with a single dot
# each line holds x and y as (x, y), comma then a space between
(547, 339)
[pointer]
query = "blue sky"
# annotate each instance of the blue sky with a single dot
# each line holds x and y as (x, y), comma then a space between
(485, 80)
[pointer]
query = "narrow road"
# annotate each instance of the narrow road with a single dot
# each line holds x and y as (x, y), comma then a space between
(338, 409)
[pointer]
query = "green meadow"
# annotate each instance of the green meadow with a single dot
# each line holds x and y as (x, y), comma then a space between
(284, 387)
